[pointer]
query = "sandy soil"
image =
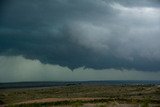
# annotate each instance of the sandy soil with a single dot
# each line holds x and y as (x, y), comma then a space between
(57, 99)
(111, 104)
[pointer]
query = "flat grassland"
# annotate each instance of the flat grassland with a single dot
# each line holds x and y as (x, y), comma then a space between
(80, 95)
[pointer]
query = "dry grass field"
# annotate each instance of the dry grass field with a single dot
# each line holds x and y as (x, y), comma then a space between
(83, 96)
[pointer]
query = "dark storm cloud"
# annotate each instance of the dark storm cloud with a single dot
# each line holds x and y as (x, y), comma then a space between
(92, 33)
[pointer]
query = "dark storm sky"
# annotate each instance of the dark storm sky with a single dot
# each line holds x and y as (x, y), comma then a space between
(97, 34)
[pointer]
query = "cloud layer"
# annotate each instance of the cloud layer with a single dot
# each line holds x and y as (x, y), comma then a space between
(98, 34)
(17, 69)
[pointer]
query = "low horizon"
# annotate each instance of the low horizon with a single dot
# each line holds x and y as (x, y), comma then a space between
(83, 81)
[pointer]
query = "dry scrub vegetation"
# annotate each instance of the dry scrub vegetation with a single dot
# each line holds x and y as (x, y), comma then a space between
(122, 94)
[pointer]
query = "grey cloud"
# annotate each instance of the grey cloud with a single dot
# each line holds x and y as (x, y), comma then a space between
(18, 69)
(74, 33)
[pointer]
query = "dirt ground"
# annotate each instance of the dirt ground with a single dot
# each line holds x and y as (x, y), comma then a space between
(104, 104)
(148, 94)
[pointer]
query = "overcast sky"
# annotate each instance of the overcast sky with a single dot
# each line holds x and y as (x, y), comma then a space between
(45, 40)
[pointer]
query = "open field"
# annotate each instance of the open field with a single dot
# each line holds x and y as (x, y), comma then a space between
(83, 95)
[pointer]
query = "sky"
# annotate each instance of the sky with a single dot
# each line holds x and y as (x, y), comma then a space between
(79, 40)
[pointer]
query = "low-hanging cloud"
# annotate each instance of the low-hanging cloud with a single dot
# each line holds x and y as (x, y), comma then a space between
(18, 69)
(99, 34)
